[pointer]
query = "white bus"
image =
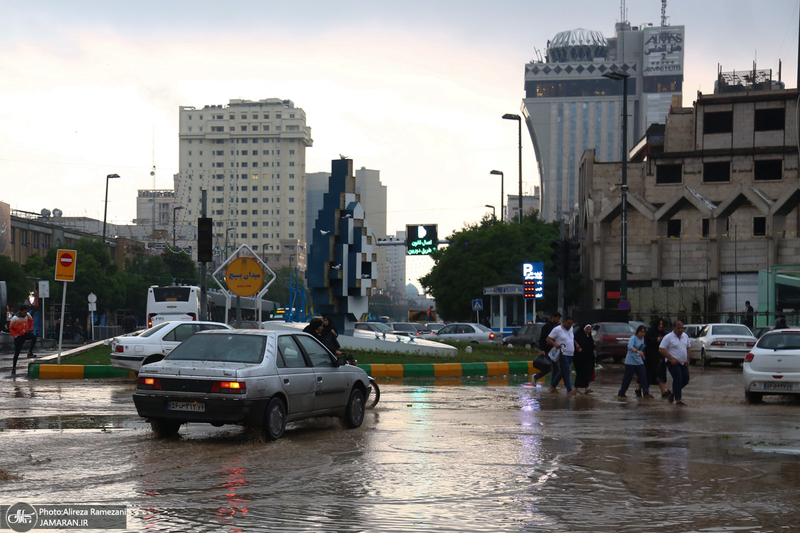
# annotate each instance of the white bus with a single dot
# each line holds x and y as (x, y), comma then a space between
(166, 304)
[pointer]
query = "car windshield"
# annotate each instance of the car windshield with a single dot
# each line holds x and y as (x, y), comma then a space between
(230, 348)
(152, 330)
(785, 340)
(616, 329)
(730, 330)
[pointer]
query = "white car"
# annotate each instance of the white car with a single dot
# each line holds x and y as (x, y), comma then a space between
(773, 365)
(722, 342)
(465, 332)
(130, 353)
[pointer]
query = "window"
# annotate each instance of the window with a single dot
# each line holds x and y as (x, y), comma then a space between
(719, 122)
(770, 119)
(291, 200)
(190, 117)
(291, 187)
(255, 128)
(265, 223)
(291, 235)
(291, 223)
(291, 211)
(291, 115)
(290, 354)
(243, 128)
(705, 225)
(674, 228)
(291, 163)
(291, 176)
(190, 152)
(277, 115)
(769, 169)
(291, 152)
(716, 172)
(243, 224)
(243, 200)
(255, 235)
(669, 173)
(759, 226)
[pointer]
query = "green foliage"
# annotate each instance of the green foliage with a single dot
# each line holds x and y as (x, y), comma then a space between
(492, 253)
(17, 284)
(279, 289)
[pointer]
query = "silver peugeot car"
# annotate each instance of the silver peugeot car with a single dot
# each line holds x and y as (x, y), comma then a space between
(252, 377)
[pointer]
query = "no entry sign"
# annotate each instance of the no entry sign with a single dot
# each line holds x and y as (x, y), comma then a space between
(65, 265)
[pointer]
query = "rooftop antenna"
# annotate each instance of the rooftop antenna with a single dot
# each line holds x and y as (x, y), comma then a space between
(153, 172)
(664, 16)
(623, 12)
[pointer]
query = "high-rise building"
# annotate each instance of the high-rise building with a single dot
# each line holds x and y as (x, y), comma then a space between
(316, 187)
(250, 157)
(570, 106)
(373, 198)
(396, 263)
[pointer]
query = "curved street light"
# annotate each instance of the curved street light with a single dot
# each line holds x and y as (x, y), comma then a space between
(493, 211)
(502, 194)
(511, 116)
(105, 209)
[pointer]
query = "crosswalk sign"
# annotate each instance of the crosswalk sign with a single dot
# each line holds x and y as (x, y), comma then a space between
(477, 305)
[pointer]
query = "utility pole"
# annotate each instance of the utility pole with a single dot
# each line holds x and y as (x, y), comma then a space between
(203, 266)
(562, 235)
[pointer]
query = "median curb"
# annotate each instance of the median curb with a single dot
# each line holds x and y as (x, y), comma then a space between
(38, 371)
(436, 370)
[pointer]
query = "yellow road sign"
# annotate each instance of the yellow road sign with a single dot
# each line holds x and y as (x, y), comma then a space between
(65, 265)
(244, 277)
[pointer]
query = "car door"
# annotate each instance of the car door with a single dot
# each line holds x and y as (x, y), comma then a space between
(179, 333)
(296, 375)
(332, 381)
(696, 343)
(466, 333)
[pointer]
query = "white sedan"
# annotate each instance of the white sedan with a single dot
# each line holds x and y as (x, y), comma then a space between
(773, 365)
(130, 353)
(464, 332)
(722, 342)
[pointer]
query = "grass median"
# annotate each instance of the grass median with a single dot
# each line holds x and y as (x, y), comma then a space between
(481, 353)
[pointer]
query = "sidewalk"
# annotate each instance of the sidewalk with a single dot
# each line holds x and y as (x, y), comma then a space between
(43, 356)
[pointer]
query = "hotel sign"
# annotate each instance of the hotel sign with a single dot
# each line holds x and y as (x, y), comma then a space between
(663, 50)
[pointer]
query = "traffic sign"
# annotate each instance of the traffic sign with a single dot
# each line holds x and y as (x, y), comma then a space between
(65, 265)
(624, 305)
(92, 298)
(477, 305)
(244, 276)
(44, 289)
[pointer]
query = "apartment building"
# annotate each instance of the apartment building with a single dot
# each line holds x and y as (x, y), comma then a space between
(250, 158)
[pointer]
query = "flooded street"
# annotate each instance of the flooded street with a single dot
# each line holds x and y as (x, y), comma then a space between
(444, 455)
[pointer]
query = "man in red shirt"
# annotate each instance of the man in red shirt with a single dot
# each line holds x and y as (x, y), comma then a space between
(21, 328)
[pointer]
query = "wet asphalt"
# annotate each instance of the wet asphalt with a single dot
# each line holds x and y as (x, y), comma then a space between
(435, 455)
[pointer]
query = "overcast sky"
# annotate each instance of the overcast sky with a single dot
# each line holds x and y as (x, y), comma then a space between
(414, 89)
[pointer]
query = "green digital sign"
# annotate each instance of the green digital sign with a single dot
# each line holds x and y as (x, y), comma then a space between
(421, 239)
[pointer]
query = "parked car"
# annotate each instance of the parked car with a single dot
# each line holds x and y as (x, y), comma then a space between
(131, 353)
(253, 377)
(377, 327)
(759, 331)
(692, 329)
(611, 339)
(527, 336)
(773, 365)
(248, 324)
(464, 332)
(637, 323)
(405, 328)
(722, 342)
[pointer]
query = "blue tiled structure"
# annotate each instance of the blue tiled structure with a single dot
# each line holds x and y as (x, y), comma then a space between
(342, 267)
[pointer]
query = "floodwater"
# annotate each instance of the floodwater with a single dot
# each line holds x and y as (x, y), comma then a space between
(444, 455)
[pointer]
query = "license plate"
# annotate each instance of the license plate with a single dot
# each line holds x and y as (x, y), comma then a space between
(734, 344)
(197, 407)
(778, 386)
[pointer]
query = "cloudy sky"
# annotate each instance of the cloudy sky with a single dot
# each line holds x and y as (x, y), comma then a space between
(414, 89)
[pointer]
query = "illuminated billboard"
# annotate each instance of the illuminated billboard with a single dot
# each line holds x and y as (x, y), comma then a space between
(421, 239)
(533, 281)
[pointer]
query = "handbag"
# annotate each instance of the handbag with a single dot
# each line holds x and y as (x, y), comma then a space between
(555, 353)
(542, 363)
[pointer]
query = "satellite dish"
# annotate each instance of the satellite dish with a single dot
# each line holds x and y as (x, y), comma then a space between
(45, 213)
(57, 212)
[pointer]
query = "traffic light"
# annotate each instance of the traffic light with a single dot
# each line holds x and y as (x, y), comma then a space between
(558, 260)
(205, 234)
(572, 259)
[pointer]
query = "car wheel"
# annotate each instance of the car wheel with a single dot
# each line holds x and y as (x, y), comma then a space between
(704, 360)
(274, 419)
(165, 429)
(354, 412)
(753, 397)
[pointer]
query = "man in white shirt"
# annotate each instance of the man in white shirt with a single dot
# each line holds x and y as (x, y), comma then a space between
(675, 348)
(562, 337)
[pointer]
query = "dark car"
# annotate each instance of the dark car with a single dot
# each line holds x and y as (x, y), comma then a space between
(611, 339)
(527, 336)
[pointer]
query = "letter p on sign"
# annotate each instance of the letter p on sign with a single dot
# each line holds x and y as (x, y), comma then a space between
(65, 265)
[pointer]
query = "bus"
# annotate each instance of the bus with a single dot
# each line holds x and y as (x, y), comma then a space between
(166, 304)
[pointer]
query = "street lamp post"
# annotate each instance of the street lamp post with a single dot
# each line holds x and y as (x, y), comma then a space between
(493, 211)
(623, 274)
(510, 116)
(502, 194)
(174, 211)
(105, 209)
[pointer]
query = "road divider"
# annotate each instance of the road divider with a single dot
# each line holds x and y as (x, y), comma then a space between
(436, 370)
(39, 371)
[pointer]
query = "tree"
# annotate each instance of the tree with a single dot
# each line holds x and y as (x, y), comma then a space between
(181, 267)
(490, 253)
(17, 283)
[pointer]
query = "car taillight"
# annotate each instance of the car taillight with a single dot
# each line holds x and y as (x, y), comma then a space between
(120, 348)
(717, 343)
(229, 387)
(748, 358)
(609, 338)
(491, 336)
(751, 344)
(193, 315)
(150, 320)
(148, 384)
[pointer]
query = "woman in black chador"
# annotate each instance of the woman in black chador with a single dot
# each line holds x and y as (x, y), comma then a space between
(584, 359)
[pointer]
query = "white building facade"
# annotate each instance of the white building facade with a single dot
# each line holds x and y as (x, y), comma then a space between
(250, 158)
